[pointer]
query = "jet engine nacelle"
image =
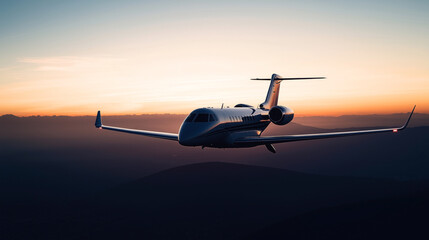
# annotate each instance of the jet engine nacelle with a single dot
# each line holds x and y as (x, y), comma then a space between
(280, 115)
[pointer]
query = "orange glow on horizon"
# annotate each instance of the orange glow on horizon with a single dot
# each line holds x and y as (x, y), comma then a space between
(204, 55)
(305, 111)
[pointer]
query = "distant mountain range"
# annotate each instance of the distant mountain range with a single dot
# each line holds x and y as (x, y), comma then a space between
(326, 122)
(359, 121)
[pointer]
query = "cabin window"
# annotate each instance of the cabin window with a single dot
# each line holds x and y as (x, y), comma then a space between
(202, 117)
(190, 117)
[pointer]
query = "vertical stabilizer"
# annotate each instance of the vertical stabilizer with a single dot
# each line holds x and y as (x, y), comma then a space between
(273, 93)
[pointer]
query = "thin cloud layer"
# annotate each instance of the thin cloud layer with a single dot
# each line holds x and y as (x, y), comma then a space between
(69, 63)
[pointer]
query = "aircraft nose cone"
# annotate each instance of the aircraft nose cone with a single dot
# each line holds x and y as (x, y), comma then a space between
(193, 134)
(185, 140)
(186, 135)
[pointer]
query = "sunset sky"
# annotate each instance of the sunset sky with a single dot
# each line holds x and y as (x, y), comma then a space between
(136, 57)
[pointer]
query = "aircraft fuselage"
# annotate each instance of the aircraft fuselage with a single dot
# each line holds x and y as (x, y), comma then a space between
(215, 127)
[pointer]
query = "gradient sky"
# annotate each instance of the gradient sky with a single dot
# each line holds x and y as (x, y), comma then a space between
(75, 57)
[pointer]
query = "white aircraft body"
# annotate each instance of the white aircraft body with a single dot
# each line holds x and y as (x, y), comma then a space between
(241, 126)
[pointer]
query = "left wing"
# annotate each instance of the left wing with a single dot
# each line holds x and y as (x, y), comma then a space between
(291, 138)
(163, 135)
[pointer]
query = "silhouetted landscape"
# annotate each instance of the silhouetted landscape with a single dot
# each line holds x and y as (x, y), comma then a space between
(61, 178)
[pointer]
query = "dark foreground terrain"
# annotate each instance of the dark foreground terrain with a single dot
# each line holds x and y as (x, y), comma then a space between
(402, 217)
(229, 201)
(60, 178)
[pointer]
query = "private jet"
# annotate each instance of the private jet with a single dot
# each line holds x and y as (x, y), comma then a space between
(242, 125)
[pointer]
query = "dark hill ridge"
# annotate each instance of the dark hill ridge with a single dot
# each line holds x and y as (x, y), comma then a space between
(388, 218)
(199, 201)
(241, 182)
(206, 201)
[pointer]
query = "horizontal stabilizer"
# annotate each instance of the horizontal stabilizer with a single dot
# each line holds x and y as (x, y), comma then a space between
(286, 79)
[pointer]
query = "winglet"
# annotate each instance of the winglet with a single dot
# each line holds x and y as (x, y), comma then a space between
(98, 123)
(408, 120)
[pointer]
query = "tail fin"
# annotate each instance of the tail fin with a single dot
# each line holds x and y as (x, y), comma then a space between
(273, 93)
(274, 89)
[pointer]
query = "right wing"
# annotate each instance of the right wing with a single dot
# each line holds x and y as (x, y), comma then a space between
(163, 135)
(300, 137)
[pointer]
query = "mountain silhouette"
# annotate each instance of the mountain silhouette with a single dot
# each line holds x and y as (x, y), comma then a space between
(388, 218)
(203, 201)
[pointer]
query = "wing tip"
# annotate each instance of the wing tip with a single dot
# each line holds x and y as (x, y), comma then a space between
(98, 123)
(408, 120)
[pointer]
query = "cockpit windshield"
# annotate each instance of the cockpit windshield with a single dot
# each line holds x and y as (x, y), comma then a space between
(190, 117)
(201, 117)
